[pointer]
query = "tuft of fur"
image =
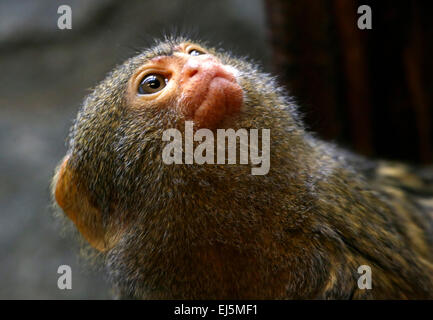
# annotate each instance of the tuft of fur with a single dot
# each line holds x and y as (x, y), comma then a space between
(218, 232)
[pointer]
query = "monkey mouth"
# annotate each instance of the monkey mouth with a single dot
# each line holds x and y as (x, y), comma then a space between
(220, 98)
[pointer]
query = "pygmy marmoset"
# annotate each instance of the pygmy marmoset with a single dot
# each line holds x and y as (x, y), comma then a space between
(214, 230)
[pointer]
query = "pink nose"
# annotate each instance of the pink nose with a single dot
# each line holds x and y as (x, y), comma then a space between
(209, 91)
(191, 68)
(204, 68)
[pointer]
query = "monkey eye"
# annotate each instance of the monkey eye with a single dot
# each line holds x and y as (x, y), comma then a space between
(152, 83)
(195, 52)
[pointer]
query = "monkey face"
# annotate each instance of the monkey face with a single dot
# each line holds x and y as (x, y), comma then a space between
(179, 80)
(190, 81)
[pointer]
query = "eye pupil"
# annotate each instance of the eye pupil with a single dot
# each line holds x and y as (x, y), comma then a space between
(151, 84)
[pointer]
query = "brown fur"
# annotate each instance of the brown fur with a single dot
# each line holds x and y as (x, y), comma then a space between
(216, 231)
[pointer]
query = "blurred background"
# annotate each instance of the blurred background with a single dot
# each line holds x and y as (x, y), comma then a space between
(368, 90)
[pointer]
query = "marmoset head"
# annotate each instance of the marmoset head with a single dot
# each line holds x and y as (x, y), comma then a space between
(114, 169)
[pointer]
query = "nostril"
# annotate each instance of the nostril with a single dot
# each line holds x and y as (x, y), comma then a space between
(192, 72)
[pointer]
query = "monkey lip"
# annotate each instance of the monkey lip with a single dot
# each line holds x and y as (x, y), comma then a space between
(208, 102)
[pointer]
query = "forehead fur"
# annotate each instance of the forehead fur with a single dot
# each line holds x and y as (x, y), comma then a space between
(167, 47)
